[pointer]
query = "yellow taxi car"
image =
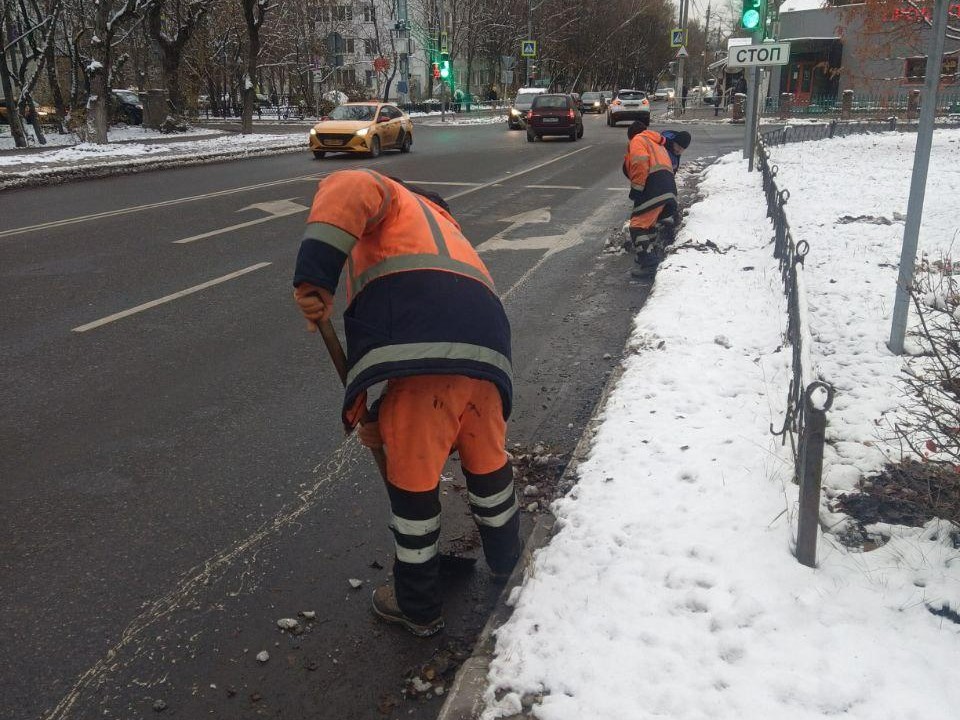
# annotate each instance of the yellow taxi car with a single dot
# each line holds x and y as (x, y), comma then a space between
(362, 127)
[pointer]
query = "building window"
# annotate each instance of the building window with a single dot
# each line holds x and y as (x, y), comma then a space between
(343, 13)
(346, 76)
(369, 14)
(915, 69)
(368, 78)
(369, 47)
(948, 70)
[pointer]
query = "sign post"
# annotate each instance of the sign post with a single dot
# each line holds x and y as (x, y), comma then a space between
(756, 56)
(918, 181)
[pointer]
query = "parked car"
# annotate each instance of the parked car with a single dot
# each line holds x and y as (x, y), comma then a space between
(627, 105)
(362, 127)
(701, 93)
(125, 106)
(45, 113)
(521, 105)
(664, 93)
(554, 114)
(593, 102)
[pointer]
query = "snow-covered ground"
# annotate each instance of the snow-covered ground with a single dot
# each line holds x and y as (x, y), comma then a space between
(670, 589)
(118, 133)
(467, 120)
(90, 158)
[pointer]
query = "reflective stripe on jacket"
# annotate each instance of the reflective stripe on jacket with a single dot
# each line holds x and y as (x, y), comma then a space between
(652, 182)
(419, 299)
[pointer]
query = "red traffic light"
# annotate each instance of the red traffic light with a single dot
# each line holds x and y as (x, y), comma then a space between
(436, 70)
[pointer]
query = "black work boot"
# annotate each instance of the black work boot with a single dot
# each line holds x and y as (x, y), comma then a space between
(386, 608)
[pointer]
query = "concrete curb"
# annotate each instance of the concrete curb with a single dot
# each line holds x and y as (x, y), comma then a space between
(465, 697)
(56, 176)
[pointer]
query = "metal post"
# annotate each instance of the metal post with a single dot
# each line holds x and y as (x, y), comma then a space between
(753, 110)
(529, 60)
(811, 467)
(748, 131)
(918, 183)
(443, 83)
(678, 96)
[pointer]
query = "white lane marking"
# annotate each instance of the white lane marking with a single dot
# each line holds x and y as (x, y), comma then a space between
(511, 176)
(276, 208)
(168, 298)
(555, 187)
(151, 206)
(437, 182)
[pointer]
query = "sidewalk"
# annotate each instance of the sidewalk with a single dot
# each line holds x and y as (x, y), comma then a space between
(670, 588)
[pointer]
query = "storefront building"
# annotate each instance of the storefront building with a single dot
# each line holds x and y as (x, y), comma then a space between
(880, 56)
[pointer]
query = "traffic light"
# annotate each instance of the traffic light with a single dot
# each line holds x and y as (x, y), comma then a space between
(752, 14)
(445, 65)
(436, 71)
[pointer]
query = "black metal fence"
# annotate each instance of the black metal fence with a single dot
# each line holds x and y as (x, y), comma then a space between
(838, 128)
(808, 398)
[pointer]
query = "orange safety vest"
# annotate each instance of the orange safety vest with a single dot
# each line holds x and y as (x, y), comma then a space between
(648, 166)
(419, 299)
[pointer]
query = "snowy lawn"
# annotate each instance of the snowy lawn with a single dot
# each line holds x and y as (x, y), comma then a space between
(849, 197)
(118, 133)
(670, 589)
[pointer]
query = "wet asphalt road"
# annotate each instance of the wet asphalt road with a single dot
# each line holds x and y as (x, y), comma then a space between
(175, 480)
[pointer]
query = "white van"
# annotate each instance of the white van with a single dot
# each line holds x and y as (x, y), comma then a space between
(517, 117)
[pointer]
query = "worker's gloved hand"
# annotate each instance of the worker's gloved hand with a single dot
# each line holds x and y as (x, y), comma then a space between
(369, 435)
(315, 303)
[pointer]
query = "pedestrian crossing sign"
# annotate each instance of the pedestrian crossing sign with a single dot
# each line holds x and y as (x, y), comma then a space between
(528, 48)
(678, 37)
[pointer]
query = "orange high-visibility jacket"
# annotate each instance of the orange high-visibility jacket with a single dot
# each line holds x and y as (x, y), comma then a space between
(648, 166)
(419, 299)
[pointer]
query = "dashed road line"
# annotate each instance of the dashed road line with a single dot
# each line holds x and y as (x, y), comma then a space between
(167, 298)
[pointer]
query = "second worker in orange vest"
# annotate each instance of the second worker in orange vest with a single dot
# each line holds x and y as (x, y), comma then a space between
(653, 190)
(422, 314)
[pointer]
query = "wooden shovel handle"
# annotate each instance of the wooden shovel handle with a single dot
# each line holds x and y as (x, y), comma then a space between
(339, 358)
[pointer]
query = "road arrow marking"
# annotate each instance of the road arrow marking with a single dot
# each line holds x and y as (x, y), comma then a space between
(530, 217)
(274, 208)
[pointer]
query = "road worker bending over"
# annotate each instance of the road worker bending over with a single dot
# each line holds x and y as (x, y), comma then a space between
(653, 190)
(423, 315)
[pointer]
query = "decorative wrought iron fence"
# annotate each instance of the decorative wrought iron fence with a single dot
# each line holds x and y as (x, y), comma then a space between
(808, 398)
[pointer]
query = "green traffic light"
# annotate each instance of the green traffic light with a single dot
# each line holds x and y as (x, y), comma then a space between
(445, 69)
(750, 19)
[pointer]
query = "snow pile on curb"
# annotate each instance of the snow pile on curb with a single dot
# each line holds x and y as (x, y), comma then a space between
(855, 240)
(118, 133)
(460, 121)
(89, 160)
(86, 152)
(670, 589)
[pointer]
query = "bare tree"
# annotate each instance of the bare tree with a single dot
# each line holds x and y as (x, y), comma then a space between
(254, 13)
(108, 19)
(171, 24)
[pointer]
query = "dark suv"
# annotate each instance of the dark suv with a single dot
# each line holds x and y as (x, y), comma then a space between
(554, 115)
(125, 106)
